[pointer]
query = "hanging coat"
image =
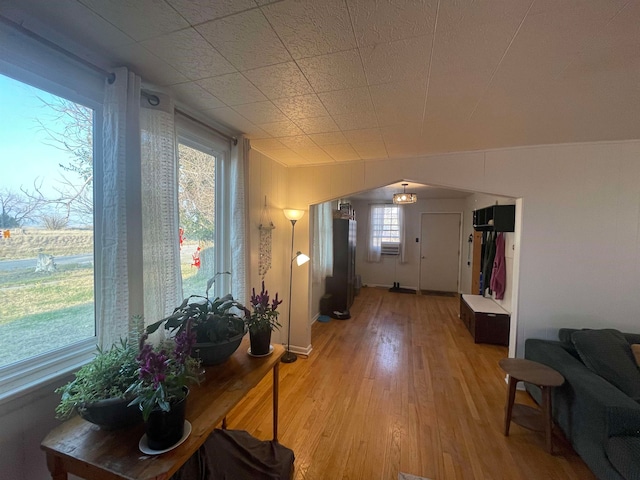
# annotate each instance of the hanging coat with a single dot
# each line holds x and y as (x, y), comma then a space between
(487, 263)
(499, 272)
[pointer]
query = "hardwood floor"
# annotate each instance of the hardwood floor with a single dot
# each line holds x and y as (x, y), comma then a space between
(401, 387)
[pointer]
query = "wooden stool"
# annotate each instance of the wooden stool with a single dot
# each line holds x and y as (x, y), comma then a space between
(537, 374)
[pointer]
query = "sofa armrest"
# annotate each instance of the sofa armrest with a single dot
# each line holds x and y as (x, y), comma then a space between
(585, 395)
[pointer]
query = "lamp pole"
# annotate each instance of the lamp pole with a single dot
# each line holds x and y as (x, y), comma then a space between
(289, 356)
(292, 215)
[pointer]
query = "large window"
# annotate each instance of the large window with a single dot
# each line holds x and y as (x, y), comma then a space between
(203, 208)
(385, 224)
(46, 223)
(196, 209)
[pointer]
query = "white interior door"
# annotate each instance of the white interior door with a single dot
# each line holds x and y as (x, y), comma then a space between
(440, 252)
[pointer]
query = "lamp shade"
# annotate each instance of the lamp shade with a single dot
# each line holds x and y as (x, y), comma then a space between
(301, 258)
(404, 197)
(293, 214)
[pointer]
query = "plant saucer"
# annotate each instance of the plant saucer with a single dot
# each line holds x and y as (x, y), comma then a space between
(144, 446)
(263, 355)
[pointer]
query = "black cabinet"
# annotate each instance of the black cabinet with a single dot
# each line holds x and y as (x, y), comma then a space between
(497, 218)
(341, 286)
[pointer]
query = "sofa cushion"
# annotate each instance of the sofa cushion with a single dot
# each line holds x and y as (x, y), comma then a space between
(607, 353)
(624, 454)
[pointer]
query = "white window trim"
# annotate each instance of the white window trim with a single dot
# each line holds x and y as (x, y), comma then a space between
(23, 377)
(200, 138)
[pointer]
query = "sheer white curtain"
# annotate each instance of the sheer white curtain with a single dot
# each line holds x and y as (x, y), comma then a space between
(374, 232)
(121, 155)
(401, 215)
(322, 256)
(238, 220)
(160, 228)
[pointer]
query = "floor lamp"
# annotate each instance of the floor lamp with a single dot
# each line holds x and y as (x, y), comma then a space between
(300, 258)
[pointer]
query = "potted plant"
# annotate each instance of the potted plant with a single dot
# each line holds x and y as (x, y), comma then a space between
(262, 321)
(98, 392)
(219, 325)
(161, 389)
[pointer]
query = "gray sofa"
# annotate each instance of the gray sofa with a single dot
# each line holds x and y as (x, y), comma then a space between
(598, 412)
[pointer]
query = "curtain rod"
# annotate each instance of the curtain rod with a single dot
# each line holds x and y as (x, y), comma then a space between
(199, 122)
(154, 100)
(110, 76)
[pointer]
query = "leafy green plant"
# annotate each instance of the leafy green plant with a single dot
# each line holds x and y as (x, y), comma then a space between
(213, 321)
(108, 375)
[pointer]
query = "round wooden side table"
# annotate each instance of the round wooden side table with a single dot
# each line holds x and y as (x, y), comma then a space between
(522, 370)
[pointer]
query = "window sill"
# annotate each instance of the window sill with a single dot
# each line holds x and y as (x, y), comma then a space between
(30, 375)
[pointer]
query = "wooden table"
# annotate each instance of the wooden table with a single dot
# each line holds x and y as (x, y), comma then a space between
(520, 369)
(83, 449)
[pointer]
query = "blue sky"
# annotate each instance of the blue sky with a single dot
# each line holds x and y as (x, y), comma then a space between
(24, 154)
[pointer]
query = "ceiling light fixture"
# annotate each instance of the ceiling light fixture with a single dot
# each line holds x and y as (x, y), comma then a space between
(404, 197)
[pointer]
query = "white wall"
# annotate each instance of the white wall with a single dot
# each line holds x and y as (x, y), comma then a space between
(389, 269)
(269, 178)
(580, 206)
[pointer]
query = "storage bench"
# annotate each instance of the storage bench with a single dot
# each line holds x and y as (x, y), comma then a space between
(487, 321)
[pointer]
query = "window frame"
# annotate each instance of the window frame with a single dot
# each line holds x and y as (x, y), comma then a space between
(374, 230)
(23, 377)
(197, 137)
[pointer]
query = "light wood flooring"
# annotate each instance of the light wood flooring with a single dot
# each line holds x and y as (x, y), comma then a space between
(401, 387)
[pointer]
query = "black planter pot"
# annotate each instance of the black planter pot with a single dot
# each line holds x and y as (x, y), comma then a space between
(164, 429)
(216, 353)
(111, 413)
(260, 341)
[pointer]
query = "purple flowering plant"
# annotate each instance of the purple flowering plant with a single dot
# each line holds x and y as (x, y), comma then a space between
(163, 372)
(264, 314)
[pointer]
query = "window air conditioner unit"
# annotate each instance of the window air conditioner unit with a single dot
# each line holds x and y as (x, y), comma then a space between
(390, 248)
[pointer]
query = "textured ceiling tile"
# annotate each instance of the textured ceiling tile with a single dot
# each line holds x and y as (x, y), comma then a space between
(191, 54)
(281, 80)
(253, 132)
(194, 95)
(313, 154)
(335, 71)
(199, 11)
(388, 20)
(358, 120)
(297, 142)
(398, 103)
(309, 27)
(230, 118)
(369, 135)
(286, 156)
(402, 142)
(304, 106)
(340, 102)
(70, 16)
(141, 19)
(331, 138)
(341, 152)
(246, 40)
(282, 129)
(233, 89)
(317, 125)
(369, 151)
(268, 144)
(139, 59)
(397, 61)
(261, 112)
